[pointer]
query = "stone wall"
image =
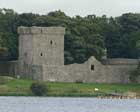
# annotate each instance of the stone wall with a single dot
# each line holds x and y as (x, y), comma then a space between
(39, 46)
(118, 70)
(110, 73)
(120, 61)
(118, 73)
(55, 74)
(92, 71)
(41, 57)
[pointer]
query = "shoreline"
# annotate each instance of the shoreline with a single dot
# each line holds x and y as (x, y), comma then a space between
(21, 87)
(97, 97)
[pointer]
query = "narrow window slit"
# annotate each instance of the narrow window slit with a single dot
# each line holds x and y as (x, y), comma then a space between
(92, 67)
(51, 42)
(41, 54)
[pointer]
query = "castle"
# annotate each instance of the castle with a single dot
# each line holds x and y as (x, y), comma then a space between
(41, 57)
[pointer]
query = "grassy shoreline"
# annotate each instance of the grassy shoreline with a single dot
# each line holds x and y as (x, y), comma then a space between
(20, 87)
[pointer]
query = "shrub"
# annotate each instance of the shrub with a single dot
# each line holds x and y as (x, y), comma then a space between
(38, 88)
(3, 51)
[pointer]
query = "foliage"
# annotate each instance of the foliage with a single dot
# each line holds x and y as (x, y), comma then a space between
(8, 35)
(117, 37)
(3, 51)
(38, 88)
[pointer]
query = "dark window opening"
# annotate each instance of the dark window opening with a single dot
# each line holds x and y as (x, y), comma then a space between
(51, 42)
(41, 54)
(92, 67)
(25, 54)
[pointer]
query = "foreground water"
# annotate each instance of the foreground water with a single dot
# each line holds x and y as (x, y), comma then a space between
(51, 104)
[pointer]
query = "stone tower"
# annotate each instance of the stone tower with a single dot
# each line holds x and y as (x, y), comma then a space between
(40, 46)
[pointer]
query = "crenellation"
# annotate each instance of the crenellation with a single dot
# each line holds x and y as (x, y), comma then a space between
(53, 30)
(41, 30)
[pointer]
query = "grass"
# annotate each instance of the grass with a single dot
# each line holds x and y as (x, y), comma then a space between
(19, 87)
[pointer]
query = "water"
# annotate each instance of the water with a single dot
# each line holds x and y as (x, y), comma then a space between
(51, 104)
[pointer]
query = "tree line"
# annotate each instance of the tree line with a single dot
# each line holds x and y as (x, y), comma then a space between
(114, 37)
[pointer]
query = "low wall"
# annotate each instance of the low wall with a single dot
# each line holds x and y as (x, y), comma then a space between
(56, 74)
(88, 72)
(120, 61)
(115, 71)
(75, 72)
(92, 71)
(118, 73)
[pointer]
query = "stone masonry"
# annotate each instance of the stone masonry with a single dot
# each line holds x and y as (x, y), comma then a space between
(39, 46)
(41, 57)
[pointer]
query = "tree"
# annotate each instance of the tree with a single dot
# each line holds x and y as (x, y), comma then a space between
(85, 36)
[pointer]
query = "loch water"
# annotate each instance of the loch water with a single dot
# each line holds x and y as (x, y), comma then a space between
(66, 104)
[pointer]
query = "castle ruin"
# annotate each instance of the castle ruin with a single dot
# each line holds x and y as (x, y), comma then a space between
(41, 57)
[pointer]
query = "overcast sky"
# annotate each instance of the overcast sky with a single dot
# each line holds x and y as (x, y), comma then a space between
(74, 7)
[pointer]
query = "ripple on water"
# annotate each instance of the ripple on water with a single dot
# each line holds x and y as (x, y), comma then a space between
(52, 104)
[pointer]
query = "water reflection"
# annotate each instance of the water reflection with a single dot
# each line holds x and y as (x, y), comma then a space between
(51, 104)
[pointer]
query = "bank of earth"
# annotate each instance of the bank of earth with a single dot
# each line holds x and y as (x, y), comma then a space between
(19, 87)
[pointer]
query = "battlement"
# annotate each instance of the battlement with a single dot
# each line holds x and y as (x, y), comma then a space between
(41, 30)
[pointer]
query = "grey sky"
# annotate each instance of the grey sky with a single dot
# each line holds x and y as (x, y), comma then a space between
(74, 7)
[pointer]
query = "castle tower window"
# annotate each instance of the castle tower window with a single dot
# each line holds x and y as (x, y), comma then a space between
(41, 54)
(92, 67)
(25, 54)
(51, 42)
